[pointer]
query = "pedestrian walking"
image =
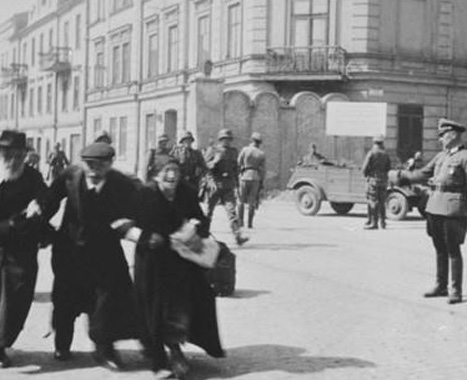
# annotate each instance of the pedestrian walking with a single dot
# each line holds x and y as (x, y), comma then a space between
(57, 161)
(157, 156)
(192, 165)
(446, 210)
(175, 302)
(222, 164)
(375, 168)
(32, 158)
(90, 270)
(252, 164)
(20, 186)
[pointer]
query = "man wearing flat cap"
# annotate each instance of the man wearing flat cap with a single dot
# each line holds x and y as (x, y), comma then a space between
(375, 169)
(192, 164)
(252, 164)
(91, 273)
(222, 164)
(21, 187)
(157, 157)
(446, 210)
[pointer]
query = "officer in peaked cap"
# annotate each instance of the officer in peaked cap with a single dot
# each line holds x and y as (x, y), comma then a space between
(446, 209)
(252, 163)
(445, 125)
(90, 271)
(192, 164)
(223, 171)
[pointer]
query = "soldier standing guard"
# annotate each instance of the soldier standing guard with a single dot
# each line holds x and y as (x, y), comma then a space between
(446, 210)
(375, 168)
(252, 163)
(192, 164)
(90, 270)
(221, 161)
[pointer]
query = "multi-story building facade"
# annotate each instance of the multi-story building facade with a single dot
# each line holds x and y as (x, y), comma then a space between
(277, 64)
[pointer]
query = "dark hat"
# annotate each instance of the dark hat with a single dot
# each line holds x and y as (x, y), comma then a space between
(187, 135)
(445, 125)
(255, 136)
(12, 139)
(163, 137)
(225, 134)
(378, 139)
(98, 151)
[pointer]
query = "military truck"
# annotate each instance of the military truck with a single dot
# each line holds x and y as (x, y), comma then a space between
(343, 187)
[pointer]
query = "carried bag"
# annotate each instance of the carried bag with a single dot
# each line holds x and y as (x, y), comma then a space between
(222, 277)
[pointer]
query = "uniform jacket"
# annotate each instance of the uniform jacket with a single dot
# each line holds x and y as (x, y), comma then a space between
(252, 163)
(192, 165)
(223, 166)
(447, 172)
(377, 165)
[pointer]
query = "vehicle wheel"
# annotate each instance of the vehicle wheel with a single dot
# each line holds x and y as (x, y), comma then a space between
(341, 208)
(308, 200)
(397, 206)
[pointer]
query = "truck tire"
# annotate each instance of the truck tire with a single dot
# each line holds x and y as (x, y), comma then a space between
(308, 200)
(341, 208)
(397, 206)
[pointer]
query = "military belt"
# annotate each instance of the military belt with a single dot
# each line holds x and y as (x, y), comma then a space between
(447, 188)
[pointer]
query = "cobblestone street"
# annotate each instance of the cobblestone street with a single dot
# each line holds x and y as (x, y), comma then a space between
(317, 298)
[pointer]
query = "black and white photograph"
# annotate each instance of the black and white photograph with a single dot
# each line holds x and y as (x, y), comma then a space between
(233, 189)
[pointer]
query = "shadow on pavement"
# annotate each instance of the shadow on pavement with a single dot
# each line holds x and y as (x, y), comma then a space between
(266, 358)
(245, 293)
(288, 246)
(40, 362)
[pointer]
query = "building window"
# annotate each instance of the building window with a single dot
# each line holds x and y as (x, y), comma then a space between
(153, 55)
(233, 30)
(39, 100)
(65, 95)
(172, 63)
(309, 24)
(97, 127)
(121, 59)
(12, 106)
(25, 50)
(150, 130)
(409, 130)
(113, 129)
(41, 44)
(51, 38)
(204, 37)
(100, 10)
(78, 32)
(99, 65)
(66, 34)
(49, 99)
(31, 102)
(33, 52)
(76, 93)
(23, 106)
(122, 136)
(118, 5)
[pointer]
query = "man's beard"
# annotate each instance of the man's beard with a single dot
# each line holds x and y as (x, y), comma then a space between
(10, 171)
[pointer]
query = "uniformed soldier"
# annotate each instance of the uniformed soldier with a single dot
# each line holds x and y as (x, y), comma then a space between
(159, 155)
(446, 210)
(192, 164)
(375, 168)
(221, 161)
(252, 163)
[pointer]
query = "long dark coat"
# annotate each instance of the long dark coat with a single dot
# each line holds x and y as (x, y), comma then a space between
(91, 272)
(18, 253)
(175, 302)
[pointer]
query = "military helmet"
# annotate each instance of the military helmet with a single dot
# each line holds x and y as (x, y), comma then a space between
(187, 135)
(225, 134)
(256, 136)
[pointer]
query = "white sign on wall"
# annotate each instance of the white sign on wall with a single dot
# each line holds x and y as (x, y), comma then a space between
(356, 119)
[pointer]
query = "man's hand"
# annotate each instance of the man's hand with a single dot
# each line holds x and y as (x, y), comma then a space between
(33, 209)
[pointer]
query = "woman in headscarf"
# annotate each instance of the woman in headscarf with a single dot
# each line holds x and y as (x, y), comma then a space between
(175, 302)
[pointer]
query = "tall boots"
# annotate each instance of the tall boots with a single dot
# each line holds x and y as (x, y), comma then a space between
(442, 271)
(456, 280)
(372, 218)
(251, 215)
(240, 213)
(382, 215)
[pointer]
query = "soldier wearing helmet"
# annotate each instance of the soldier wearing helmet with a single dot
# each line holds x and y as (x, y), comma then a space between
(192, 164)
(252, 163)
(221, 161)
(157, 157)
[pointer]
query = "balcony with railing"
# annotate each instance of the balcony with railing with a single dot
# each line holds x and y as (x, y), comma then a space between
(16, 74)
(58, 60)
(306, 60)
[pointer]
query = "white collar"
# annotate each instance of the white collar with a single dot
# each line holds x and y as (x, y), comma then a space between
(455, 149)
(96, 186)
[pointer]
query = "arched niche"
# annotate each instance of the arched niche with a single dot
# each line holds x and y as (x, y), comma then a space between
(237, 109)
